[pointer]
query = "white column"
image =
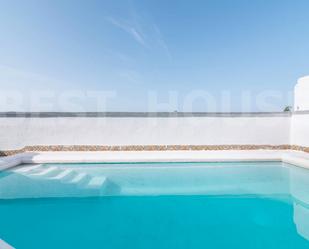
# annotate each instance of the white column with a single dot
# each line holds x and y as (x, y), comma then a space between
(301, 97)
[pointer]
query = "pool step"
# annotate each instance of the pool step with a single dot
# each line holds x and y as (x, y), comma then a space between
(66, 176)
(25, 169)
(80, 178)
(96, 182)
(71, 177)
(63, 175)
(44, 172)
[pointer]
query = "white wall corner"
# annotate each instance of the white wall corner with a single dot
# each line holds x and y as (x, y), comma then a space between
(301, 94)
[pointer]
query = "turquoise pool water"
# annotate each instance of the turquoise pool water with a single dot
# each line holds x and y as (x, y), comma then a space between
(178, 205)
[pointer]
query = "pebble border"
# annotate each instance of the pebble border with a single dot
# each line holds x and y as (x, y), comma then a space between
(104, 148)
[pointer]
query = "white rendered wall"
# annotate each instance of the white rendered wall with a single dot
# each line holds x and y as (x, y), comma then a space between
(300, 130)
(300, 121)
(301, 94)
(15, 133)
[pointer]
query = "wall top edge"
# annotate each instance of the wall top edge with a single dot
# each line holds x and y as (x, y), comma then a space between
(143, 114)
(303, 80)
(301, 112)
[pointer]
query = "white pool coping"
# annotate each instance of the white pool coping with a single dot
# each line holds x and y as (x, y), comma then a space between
(4, 245)
(297, 158)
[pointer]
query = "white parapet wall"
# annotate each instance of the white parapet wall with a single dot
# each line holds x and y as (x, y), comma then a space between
(146, 129)
(250, 129)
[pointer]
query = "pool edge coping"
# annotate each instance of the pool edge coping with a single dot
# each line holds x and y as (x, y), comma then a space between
(297, 158)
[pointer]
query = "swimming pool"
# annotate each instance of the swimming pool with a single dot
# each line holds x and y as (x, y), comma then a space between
(155, 205)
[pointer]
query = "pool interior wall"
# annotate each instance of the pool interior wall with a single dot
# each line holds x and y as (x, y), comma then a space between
(162, 205)
(69, 180)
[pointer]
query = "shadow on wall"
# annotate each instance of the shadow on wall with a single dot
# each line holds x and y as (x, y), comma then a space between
(10, 153)
(2, 153)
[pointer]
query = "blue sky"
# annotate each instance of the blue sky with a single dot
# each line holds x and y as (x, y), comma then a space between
(179, 51)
